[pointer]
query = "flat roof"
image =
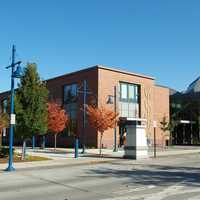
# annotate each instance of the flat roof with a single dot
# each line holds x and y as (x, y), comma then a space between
(124, 72)
(98, 67)
(105, 68)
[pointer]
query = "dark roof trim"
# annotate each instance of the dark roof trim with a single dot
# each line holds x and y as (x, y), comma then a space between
(162, 86)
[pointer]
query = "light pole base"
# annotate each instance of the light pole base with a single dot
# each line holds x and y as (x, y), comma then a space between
(10, 169)
(76, 148)
(83, 150)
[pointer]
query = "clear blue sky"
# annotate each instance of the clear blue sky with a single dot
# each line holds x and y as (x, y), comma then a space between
(160, 38)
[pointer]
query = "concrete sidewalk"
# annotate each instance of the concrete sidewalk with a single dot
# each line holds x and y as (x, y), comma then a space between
(63, 153)
(108, 153)
(65, 157)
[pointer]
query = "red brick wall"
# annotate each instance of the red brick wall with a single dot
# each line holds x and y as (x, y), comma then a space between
(107, 80)
(161, 109)
(55, 87)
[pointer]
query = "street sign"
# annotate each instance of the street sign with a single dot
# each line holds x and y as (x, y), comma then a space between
(12, 119)
(184, 121)
(4, 132)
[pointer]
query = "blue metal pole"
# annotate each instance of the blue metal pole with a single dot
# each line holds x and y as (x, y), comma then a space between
(33, 142)
(11, 131)
(76, 148)
(84, 113)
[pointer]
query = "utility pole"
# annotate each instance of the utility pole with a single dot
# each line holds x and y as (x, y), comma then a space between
(14, 74)
(85, 92)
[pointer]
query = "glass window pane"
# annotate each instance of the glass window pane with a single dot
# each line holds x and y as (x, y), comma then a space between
(74, 89)
(124, 92)
(136, 94)
(5, 105)
(66, 92)
(131, 92)
(70, 91)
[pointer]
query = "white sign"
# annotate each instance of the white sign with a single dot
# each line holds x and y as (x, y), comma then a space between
(4, 132)
(154, 124)
(12, 119)
(184, 121)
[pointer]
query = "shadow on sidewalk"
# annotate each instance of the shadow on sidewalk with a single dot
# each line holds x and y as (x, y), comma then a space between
(153, 175)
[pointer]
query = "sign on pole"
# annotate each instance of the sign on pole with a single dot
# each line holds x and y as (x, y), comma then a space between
(154, 124)
(12, 119)
(4, 132)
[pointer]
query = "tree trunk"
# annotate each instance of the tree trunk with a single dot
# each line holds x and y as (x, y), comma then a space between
(1, 136)
(100, 149)
(55, 141)
(24, 150)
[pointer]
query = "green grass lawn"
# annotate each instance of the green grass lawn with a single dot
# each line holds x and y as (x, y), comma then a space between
(17, 158)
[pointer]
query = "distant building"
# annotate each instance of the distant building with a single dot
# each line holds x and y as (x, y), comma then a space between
(185, 106)
(137, 96)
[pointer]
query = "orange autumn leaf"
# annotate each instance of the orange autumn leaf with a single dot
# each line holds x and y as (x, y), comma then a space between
(102, 118)
(57, 118)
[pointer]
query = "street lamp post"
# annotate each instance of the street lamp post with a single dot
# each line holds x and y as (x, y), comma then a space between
(154, 133)
(14, 74)
(110, 101)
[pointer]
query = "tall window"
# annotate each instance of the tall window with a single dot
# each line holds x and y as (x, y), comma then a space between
(71, 107)
(124, 91)
(129, 92)
(70, 93)
(129, 100)
(5, 105)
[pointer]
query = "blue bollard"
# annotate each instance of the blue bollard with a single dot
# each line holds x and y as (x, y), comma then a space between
(25, 151)
(44, 141)
(76, 148)
(33, 142)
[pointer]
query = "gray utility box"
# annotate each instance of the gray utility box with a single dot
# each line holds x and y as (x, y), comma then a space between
(136, 141)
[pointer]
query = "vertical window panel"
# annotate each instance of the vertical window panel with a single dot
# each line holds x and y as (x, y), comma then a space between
(124, 91)
(131, 92)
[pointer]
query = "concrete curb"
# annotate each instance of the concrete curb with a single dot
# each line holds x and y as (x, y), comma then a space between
(25, 166)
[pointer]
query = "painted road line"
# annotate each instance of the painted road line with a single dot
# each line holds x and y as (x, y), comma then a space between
(138, 189)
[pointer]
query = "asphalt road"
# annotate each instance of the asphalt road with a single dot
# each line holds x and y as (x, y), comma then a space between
(168, 178)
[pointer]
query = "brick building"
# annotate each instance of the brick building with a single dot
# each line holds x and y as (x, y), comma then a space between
(137, 96)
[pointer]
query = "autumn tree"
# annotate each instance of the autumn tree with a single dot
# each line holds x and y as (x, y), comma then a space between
(101, 119)
(57, 120)
(4, 123)
(164, 126)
